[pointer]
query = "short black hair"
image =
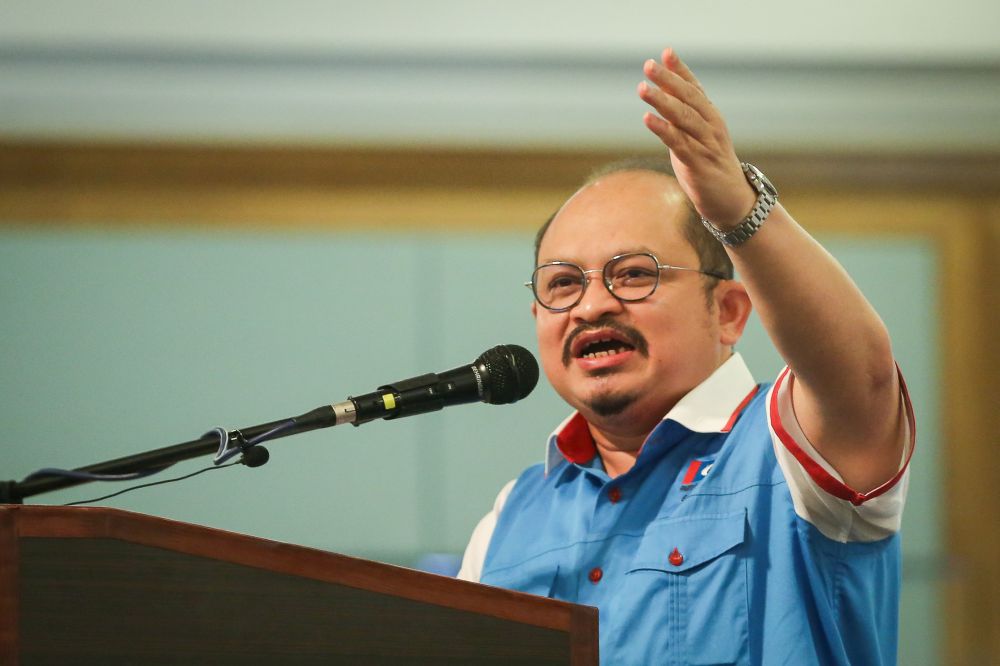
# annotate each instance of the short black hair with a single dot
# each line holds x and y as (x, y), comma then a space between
(712, 255)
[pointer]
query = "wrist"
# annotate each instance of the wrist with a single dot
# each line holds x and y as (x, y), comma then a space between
(765, 199)
(747, 200)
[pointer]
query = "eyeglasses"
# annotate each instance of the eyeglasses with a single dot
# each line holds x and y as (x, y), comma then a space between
(559, 285)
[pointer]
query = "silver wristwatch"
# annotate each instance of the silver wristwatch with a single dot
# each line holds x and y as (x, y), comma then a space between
(767, 196)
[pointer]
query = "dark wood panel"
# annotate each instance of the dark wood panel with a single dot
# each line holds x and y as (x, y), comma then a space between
(9, 615)
(109, 601)
(95, 585)
(204, 542)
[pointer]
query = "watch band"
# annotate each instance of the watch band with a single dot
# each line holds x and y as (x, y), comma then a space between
(767, 197)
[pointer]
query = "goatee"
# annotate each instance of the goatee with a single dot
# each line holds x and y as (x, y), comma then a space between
(611, 404)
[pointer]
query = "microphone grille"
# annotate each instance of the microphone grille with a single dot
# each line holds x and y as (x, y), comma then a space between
(511, 373)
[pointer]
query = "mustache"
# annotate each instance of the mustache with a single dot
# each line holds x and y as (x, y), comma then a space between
(631, 335)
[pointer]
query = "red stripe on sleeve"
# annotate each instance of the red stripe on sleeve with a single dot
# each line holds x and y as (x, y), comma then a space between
(823, 478)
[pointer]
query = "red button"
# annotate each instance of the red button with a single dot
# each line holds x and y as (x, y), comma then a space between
(676, 558)
(595, 575)
(615, 494)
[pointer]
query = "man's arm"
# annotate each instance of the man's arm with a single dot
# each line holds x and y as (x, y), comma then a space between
(846, 391)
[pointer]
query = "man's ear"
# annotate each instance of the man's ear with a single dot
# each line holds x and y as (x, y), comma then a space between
(534, 309)
(733, 307)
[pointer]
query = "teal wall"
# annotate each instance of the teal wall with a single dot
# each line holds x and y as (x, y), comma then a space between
(114, 342)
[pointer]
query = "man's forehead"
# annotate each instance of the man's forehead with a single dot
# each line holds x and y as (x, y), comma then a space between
(631, 211)
(637, 182)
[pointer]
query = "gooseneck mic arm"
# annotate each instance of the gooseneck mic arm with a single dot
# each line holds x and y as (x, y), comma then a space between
(501, 375)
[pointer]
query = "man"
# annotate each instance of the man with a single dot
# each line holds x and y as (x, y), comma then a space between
(711, 520)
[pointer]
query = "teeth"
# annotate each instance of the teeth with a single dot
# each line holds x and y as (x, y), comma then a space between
(619, 350)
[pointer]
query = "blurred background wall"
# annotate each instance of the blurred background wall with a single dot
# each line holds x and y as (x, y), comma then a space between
(224, 213)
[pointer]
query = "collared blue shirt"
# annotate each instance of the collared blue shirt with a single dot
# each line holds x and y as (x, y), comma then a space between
(699, 554)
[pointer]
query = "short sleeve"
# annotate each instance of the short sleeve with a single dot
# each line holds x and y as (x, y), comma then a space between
(819, 493)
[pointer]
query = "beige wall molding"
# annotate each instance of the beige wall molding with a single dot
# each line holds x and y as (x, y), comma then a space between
(111, 183)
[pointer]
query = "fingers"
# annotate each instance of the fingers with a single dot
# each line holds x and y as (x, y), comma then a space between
(672, 137)
(687, 122)
(677, 96)
(675, 123)
(680, 143)
(673, 62)
(687, 91)
(675, 111)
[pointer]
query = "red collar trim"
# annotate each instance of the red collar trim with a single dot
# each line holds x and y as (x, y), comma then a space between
(704, 409)
(576, 444)
(739, 410)
(575, 441)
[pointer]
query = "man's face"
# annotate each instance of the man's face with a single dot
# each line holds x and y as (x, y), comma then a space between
(623, 365)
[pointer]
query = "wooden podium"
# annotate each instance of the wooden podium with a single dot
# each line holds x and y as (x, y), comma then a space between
(103, 586)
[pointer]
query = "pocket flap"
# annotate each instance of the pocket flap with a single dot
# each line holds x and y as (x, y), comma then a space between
(679, 544)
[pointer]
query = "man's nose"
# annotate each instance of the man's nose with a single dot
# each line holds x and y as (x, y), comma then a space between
(597, 299)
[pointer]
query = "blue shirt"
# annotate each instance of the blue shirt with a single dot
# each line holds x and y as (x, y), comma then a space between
(699, 554)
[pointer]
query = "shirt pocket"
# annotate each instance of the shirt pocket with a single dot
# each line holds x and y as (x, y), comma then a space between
(689, 574)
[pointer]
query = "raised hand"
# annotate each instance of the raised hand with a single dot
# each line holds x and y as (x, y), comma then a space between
(701, 151)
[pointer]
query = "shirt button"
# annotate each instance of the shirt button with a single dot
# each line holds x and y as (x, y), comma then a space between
(676, 558)
(595, 575)
(615, 494)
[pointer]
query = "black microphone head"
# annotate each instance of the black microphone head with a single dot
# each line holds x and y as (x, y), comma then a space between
(509, 373)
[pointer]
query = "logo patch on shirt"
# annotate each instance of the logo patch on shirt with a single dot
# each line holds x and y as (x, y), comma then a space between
(696, 471)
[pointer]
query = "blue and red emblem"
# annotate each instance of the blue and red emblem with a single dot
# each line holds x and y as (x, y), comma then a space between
(696, 471)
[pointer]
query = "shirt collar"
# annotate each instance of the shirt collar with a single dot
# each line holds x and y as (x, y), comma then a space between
(712, 406)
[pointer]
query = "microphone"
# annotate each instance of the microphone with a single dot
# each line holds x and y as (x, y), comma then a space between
(501, 375)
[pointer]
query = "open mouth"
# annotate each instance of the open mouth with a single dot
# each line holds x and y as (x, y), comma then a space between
(604, 347)
(600, 344)
(602, 340)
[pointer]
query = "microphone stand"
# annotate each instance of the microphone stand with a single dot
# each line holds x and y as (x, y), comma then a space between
(14, 492)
